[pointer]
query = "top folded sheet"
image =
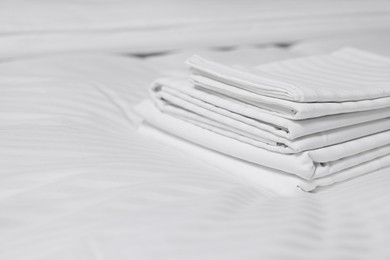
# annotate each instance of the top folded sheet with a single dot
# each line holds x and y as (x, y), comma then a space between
(345, 75)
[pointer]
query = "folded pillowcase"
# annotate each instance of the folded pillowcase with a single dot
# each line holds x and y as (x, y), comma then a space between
(345, 75)
(286, 108)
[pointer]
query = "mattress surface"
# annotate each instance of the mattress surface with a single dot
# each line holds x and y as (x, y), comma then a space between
(78, 182)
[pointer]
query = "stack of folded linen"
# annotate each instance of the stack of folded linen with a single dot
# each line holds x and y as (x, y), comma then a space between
(323, 119)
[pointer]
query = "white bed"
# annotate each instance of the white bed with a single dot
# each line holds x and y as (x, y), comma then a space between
(78, 182)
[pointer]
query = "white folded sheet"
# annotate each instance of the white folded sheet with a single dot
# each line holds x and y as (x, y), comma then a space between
(345, 81)
(263, 139)
(180, 92)
(279, 182)
(307, 165)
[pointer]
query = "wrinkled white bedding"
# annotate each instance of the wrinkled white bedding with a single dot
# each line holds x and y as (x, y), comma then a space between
(77, 181)
(31, 27)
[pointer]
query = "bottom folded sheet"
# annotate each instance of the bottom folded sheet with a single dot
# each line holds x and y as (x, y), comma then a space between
(308, 165)
(254, 163)
(278, 182)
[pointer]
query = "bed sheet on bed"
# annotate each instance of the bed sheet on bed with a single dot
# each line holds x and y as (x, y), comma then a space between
(77, 181)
